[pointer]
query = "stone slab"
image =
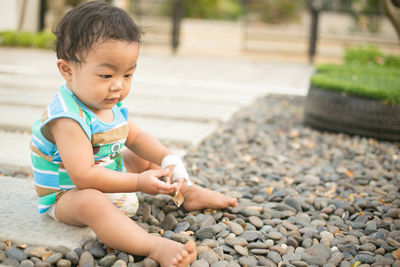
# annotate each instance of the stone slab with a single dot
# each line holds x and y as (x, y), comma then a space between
(15, 152)
(21, 223)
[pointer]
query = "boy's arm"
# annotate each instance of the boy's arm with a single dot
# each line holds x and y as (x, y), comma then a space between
(150, 149)
(77, 156)
(145, 145)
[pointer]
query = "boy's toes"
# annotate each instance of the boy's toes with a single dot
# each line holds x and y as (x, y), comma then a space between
(233, 202)
(188, 254)
(190, 247)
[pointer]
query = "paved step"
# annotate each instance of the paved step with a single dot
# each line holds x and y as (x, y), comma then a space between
(21, 223)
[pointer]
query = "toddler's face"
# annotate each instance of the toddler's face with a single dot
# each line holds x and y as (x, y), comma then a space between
(104, 78)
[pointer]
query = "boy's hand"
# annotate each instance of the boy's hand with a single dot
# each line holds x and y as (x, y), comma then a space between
(149, 182)
(169, 177)
(178, 172)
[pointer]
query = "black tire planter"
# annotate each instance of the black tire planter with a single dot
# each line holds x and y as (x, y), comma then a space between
(337, 112)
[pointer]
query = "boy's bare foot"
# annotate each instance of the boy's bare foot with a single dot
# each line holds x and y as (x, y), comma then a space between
(199, 198)
(169, 253)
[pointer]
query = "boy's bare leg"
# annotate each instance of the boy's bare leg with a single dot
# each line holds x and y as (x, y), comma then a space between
(92, 208)
(196, 197)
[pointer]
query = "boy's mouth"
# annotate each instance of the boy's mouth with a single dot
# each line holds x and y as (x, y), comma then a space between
(112, 100)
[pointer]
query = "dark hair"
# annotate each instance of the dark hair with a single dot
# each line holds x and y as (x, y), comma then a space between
(90, 22)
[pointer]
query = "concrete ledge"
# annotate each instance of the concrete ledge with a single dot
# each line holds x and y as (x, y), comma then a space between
(21, 223)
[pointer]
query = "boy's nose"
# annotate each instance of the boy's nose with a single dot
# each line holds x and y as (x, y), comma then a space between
(116, 85)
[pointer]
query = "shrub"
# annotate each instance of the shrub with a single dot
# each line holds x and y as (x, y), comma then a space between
(27, 39)
(208, 9)
(370, 56)
(276, 11)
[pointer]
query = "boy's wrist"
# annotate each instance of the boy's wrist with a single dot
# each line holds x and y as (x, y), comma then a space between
(179, 168)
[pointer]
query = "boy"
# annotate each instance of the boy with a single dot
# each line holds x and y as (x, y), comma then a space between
(76, 146)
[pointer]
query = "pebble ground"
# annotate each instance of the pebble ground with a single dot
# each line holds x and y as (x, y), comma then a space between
(306, 198)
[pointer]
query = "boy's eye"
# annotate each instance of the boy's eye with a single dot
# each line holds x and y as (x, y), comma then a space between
(128, 75)
(106, 76)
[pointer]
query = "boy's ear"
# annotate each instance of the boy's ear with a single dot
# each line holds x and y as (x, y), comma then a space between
(65, 68)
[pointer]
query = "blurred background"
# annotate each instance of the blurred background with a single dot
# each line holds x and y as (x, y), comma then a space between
(284, 30)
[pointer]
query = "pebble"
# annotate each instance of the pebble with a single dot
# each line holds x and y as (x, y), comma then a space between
(63, 263)
(73, 257)
(169, 222)
(26, 263)
(248, 261)
(241, 250)
(257, 222)
(148, 262)
(317, 254)
(236, 228)
(86, 260)
(274, 235)
(251, 235)
(54, 258)
(209, 256)
(236, 241)
(274, 256)
(16, 254)
(108, 260)
(200, 263)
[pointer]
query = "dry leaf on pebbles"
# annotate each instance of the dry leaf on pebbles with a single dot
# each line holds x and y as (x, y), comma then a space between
(178, 198)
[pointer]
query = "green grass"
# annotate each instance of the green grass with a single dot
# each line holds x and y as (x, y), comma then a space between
(26, 39)
(370, 81)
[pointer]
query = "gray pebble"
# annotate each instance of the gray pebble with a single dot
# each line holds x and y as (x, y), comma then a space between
(108, 260)
(364, 258)
(219, 264)
(10, 262)
(86, 260)
(200, 263)
(209, 256)
(317, 254)
(274, 256)
(169, 222)
(292, 257)
(248, 260)
(250, 236)
(72, 257)
(257, 222)
(207, 232)
(236, 241)
(236, 228)
(274, 235)
(54, 258)
(63, 263)
(259, 251)
(97, 252)
(241, 250)
(17, 254)
(26, 263)
(182, 238)
(181, 227)
(149, 262)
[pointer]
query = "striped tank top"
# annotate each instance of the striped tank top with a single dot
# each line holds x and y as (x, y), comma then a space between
(107, 139)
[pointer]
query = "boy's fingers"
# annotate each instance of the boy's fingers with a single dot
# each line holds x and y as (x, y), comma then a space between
(165, 186)
(160, 174)
(170, 169)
